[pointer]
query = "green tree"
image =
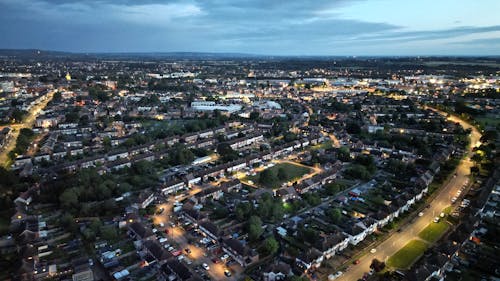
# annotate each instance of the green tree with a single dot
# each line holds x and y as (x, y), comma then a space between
(226, 152)
(255, 229)
(282, 174)
(254, 115)
(267, 177)
(69, 198)
(343, 154)
(270, 246)
(109, 233)
(334, 215)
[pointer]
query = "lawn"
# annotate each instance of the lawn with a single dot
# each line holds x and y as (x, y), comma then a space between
(292, 173)
(405, 257)
(488, 120)
(434, 231)
(324, 145)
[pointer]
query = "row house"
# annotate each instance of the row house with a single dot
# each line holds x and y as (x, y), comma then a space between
(172, 186)
(331, 244)
(240, 252)
(210, 230)
(312, 258)
(214, 193)
(144, 199)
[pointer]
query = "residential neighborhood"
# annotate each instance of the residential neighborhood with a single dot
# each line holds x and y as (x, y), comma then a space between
(258, 169)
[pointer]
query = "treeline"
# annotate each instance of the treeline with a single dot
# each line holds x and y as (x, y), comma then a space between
(87, 193)
(23, 141)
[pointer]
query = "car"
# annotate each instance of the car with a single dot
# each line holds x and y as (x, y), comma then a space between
(442, 215)
(215, 260)
(371, 271)
(187, 250)
(227, 273)
(334, 276)
(454, 199)
(91, 262)
(356, 262)
(373, 251)
(224, 257)
(436, 219)
(162, 224)
(170, 249)
(205, 266)
(420, 214)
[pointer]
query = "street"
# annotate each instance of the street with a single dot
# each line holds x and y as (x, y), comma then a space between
(396, 241)
(27, 122)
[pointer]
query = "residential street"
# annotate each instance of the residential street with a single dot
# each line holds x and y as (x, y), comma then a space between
(396, 241)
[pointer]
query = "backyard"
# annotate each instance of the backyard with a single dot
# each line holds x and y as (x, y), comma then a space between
(405, 257)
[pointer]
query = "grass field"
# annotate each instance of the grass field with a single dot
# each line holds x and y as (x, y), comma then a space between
(434, 231)
(405, 257)
(488, 120)
(293, 172)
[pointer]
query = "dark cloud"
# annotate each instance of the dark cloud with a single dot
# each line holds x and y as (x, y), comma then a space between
(254, 26)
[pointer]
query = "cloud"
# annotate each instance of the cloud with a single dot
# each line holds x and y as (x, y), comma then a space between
(253, 26)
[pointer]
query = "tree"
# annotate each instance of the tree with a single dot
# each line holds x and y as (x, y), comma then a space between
(242, 210)
(335, 215)
(343, 154)
(226, 152)
(109, 233)
(267, 177)
(254, 115)
(255, 229)
(69, 198)
(353, 128)
(282, 174)
(270, 246)
(377, 265)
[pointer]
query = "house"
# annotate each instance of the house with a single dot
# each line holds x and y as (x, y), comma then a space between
(356, 233)
(177, 270)
(230, 186)
(191, 179)
(286, 193)
(172, 186)
(276, 271)
(25, 198)
(239, 252)
(192, 215)
(214, 193)
(211, 230)
(145, 199)
(82, 270)
(331, 244)
(156, 250)
(139, 231)
(312, 258)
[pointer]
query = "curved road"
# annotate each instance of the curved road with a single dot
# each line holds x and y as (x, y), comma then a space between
(27, 122)
(443, 199)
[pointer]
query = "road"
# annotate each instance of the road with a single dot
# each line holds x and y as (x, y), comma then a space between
(396, 241)
(27, 122)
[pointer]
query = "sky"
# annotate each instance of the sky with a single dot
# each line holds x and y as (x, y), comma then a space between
(267, 27)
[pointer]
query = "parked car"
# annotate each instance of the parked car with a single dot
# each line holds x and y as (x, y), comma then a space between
(227, 273)
(205, 266)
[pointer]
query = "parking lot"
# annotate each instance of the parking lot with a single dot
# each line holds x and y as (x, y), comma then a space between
(185, 241)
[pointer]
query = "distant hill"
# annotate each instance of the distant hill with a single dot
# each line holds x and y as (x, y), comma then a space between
(47, 54)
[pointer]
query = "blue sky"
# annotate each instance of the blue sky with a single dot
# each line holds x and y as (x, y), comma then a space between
(272, 27)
